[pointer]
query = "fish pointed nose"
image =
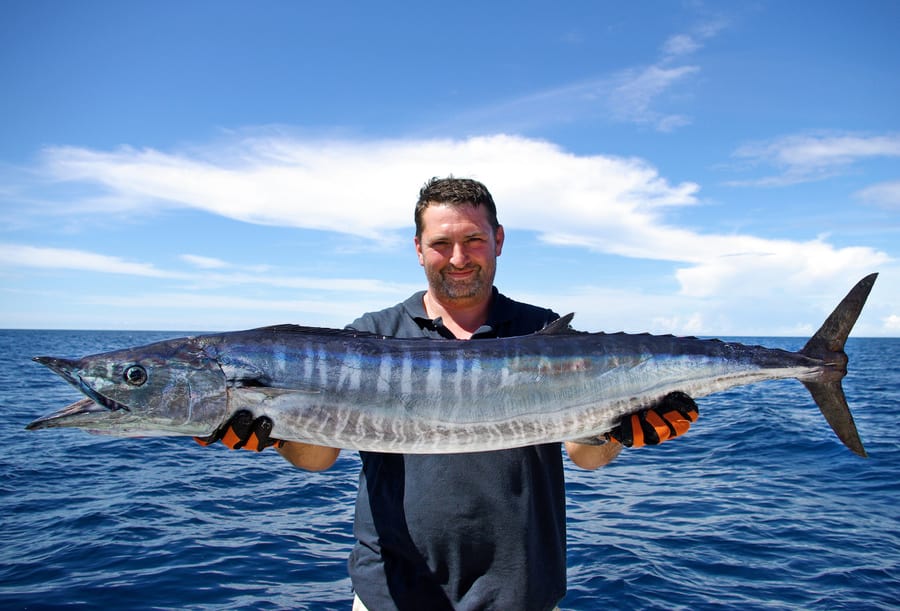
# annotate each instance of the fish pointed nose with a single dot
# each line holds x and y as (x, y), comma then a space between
(54, 363)
(62, 367)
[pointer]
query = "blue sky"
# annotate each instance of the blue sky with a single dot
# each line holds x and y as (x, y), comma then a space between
(710, 168)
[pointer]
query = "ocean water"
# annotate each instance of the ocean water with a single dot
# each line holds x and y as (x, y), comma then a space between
(758, 507)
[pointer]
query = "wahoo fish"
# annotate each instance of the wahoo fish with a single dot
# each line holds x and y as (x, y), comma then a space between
(353, 390)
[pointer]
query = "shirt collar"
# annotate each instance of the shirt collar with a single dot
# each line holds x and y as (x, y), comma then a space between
(499, 312)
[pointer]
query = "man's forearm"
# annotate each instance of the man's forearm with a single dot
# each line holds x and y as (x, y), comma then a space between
(593, 457)
(308, 456)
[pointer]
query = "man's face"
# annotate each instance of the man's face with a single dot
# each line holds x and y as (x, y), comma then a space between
(459, 251)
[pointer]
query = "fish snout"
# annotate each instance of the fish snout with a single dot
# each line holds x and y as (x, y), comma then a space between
(55, 363)
(61, 367)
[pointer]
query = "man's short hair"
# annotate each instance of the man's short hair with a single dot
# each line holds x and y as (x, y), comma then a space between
(455, 192)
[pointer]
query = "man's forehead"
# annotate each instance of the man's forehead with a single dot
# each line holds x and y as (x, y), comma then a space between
(440, 215)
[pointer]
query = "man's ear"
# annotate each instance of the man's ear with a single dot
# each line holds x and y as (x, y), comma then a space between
(419, 250)
(498, 239)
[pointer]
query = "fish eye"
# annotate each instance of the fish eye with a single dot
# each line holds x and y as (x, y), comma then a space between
(135, 375)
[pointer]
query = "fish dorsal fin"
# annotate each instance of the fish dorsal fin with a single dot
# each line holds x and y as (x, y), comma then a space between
(559, 326)
(287, 329)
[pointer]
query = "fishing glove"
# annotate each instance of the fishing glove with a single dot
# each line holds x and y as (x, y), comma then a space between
(670, 417)
(243, 431)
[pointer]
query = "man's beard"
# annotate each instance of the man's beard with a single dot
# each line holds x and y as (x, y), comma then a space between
(450, 289)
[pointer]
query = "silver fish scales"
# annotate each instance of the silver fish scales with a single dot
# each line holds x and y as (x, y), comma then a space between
(360, 391)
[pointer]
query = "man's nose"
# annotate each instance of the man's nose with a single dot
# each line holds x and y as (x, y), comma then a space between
(459, 257)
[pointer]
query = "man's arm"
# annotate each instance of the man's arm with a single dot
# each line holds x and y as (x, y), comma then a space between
(668, 418)
(593, 457)
(243, 431)
(307, 456)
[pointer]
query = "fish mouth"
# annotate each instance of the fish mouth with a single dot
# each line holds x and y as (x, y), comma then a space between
(110, 404)
(64, 368)
(94, 403)
(63, 417)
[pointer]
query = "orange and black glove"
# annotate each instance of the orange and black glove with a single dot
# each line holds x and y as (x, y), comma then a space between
(670, 417)
(243, 431)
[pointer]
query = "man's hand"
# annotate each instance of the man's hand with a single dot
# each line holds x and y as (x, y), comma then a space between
(670, 417)
(242, 431)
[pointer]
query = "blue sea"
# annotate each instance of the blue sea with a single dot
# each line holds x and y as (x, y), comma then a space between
(757, 507)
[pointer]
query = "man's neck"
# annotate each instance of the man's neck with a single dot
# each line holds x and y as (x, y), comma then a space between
(463, 320)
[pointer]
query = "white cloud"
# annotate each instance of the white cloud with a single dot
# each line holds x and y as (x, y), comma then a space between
(680, 44)
(633, 98)
(808, 157)
(885, 194)
(21, 255)
(204, 262)
(300, 183)
(636, 94)
(686, 43)
(605, 203)
(892, 323)
(213, 263)
(215, 302)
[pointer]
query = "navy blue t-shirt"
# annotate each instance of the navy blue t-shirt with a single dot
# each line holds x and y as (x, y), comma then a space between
(482, 530)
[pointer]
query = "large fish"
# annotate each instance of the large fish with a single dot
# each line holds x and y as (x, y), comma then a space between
(360, 391)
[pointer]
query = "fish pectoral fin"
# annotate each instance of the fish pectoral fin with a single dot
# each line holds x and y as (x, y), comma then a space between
(276, 392)
(243, 375)
(262, 400)
(263, 393)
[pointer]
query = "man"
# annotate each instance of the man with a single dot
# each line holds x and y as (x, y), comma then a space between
(480, 530)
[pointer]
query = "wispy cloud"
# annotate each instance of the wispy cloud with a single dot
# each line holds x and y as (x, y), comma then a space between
(212, 263)
(680, 45)
(632, 98)
(807, 157)
(24, 256)
(204, 262)
(637, 94)
(892, 323)
(217, 302)
(885, 194)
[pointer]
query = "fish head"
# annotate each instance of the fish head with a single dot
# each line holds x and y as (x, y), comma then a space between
(168, 388)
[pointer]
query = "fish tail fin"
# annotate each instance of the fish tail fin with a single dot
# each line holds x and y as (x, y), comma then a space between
(829, 396)
(828, 345)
